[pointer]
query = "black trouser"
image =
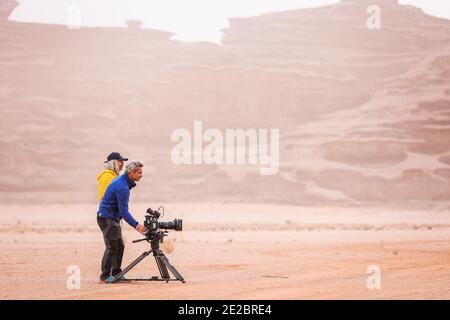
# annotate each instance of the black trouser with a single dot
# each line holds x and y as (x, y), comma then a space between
(112, 257)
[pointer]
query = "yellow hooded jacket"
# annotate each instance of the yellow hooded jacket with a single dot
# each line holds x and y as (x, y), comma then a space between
(104, 179)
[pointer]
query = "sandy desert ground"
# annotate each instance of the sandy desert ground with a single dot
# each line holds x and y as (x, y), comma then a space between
(234, 251)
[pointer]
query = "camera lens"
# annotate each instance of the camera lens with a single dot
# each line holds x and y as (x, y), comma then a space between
(176, 225)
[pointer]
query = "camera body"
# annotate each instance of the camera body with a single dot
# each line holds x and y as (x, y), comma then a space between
(154, 233)
(152, 224)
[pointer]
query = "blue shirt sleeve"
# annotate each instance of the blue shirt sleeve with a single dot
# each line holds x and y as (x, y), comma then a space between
(123, 195)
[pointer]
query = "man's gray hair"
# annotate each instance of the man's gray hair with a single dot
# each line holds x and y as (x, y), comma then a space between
(133, 166)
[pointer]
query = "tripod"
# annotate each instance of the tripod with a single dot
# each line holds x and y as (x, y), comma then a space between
(161, 261)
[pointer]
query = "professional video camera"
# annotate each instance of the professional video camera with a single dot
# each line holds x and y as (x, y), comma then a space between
(154, 233)
(155, 236)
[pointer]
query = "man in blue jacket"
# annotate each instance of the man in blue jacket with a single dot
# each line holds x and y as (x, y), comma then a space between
(114, 207)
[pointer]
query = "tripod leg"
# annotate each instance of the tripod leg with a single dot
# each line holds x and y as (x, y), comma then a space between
(132, 265)
(162, 268)
(167, 264)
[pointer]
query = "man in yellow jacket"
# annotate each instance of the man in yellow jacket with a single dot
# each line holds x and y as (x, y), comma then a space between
(113, 165)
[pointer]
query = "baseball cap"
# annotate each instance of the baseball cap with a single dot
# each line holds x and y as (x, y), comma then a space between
(115, 156)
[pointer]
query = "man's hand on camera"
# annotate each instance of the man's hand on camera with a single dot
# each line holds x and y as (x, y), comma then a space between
(141, 229)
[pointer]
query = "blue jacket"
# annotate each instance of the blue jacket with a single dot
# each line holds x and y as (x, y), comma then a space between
(115, 201)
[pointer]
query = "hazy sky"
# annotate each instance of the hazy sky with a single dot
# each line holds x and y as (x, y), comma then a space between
(190, 20)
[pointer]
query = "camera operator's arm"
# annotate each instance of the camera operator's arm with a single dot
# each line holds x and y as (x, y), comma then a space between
(123, 197)
(141, 229)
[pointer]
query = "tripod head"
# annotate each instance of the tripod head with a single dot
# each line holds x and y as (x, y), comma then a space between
(155, 237)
